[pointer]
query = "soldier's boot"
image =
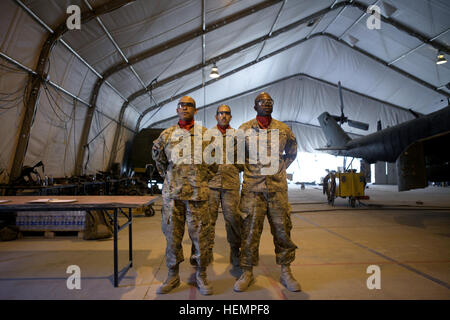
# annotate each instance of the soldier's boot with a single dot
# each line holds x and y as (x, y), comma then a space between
(203, 285)
(288, 280)
(172, 281)
(245, 280)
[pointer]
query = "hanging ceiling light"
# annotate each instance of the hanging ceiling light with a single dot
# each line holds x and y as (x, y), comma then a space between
(214, 72)
(441, 58)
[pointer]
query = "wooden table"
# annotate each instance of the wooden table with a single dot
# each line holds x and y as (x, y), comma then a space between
(86, 203)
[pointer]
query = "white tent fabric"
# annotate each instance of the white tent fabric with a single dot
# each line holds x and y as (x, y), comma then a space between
(298, 102)
(142, 25)
(339, 64)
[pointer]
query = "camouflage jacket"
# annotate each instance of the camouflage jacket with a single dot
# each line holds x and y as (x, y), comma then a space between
(254, 179)
(188, 179)
(227, 176)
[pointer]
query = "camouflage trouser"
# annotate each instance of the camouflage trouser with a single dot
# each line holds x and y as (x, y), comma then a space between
(229, 200)
(276, 206)
(174, 215)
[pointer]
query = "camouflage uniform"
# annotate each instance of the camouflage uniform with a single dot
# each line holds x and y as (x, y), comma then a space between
(267, 195)
(185, 197)
(224, 189)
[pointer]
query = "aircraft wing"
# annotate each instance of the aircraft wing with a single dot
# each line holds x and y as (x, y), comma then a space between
(331, 148)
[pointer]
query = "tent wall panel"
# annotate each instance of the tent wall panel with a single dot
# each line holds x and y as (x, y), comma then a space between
(218, 9)
(100, 142)
(170, 61)
(21, 37)
(93, 45)
(125, 81)
(53, 12)
(55, 133)
(70, 73)
(109, 102)
(130, 118)
(12, 87)
(147, 24)
(124, 143)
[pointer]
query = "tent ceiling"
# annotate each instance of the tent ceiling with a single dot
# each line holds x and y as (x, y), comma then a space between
(220, 39)
(143, 25)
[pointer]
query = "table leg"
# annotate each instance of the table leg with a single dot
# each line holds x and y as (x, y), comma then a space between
(116, 272)
(130, 237)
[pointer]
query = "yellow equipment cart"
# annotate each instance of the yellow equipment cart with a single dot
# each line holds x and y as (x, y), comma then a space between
(344, 184)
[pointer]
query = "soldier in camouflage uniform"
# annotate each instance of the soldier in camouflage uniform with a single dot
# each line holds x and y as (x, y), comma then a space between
(185, 194)
(263, 195)
(224, 189)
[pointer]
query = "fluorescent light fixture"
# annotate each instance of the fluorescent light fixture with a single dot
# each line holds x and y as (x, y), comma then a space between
(441, 58)
(214, 72)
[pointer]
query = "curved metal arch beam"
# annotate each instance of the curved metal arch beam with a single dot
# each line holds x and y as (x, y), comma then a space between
(36, 80)
(326, 35)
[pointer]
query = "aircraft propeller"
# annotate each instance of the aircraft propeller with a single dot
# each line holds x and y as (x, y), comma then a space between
(342, 118)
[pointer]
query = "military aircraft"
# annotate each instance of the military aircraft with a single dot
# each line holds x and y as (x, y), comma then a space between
(420, 147)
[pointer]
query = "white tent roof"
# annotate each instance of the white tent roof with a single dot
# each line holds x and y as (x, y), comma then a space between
(297, 50)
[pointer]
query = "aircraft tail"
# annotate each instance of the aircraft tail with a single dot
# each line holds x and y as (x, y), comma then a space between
(336, 137)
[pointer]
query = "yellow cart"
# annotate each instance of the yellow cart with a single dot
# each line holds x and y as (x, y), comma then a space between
(345, 184)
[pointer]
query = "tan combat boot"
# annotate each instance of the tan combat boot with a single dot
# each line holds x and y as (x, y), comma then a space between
(202, 282)
(172, 281)
(287, 279)
(245, 280)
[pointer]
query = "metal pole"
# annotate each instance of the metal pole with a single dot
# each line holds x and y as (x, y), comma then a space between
(203, 57)
(130, 236)
(116, 253)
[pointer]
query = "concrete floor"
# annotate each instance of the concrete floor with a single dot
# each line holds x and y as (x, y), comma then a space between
(409, 242)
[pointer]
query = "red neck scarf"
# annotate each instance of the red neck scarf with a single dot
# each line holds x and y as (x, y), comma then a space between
(223, 129)
(186, 125)
(264, 121)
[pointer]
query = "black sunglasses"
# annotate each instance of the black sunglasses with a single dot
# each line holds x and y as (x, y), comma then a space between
(268, 102)
(181, 105)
